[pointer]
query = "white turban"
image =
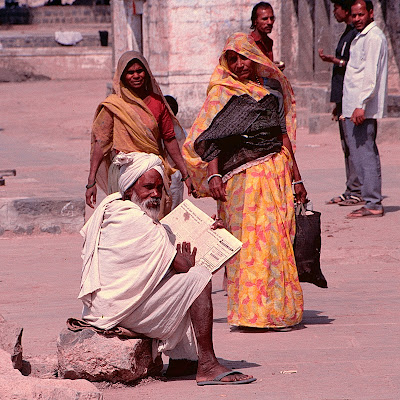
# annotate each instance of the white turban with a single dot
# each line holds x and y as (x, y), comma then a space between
(134, 165)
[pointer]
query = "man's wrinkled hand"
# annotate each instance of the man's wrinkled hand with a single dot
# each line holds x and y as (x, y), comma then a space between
(358, 116)
(184, 250)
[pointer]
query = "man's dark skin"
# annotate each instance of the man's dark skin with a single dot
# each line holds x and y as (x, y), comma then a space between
(149, 186)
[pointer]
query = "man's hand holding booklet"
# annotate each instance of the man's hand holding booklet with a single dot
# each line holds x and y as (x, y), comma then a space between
(187, 223)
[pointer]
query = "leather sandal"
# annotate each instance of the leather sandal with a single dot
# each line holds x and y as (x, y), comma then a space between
(365, 212)
(352, 201)
(336, 200)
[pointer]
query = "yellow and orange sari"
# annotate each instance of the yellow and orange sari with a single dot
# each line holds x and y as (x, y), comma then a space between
(263, 286)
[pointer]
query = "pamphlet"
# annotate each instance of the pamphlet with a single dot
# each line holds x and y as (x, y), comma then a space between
(188, 223)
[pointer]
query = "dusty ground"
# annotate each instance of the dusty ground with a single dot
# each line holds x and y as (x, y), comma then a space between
(348, 344)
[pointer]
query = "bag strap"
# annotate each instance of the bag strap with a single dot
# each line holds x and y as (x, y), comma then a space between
(300, 209)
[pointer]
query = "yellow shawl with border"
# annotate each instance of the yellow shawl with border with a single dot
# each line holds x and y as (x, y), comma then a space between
(223, 85)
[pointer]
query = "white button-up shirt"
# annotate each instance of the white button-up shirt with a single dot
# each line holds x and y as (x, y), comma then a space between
(365, 81)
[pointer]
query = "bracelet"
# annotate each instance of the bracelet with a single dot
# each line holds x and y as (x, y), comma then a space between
(297, 182)
(185, 178)
(213, 176)
(341, 63)
(90, 186)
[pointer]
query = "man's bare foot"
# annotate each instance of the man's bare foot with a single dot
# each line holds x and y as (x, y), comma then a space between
(181, 367)
(210, 372)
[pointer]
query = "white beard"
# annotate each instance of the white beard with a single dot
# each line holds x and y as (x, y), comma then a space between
(152, 212)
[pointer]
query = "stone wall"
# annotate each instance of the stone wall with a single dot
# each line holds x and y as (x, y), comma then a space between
(70, 14)
(183, 43)
(182, 40)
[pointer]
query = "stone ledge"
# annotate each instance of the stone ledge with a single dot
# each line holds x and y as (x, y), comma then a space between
(29, 216)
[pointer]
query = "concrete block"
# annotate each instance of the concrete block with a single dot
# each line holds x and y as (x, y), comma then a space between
(89, 355)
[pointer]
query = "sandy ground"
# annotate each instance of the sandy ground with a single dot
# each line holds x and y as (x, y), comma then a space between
(348, 344)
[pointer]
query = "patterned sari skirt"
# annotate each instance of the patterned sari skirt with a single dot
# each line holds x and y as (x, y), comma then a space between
(263, 286)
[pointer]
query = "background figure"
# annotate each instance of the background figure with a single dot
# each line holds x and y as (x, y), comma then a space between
(341, 11)
(239, 152)
(177, 185)
(364, 100)
(135, 117)
(262, 22)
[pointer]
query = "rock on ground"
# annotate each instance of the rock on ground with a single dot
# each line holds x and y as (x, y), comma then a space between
(10, 341)
(15, 386)
(89, 355)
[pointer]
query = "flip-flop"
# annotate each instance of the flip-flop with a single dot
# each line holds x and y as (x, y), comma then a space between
(217, 380)
(352, 201)
(364, 212)
(336, 200)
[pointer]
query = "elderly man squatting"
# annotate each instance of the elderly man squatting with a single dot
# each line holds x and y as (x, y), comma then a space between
(146, 284)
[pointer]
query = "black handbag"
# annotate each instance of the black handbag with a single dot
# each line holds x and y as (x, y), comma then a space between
(307, 246)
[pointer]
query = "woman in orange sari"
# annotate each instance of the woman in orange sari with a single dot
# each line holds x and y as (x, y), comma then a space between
(239, 152)
(135, 118)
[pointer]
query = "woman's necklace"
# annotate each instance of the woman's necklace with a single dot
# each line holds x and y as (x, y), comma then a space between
(258, 81)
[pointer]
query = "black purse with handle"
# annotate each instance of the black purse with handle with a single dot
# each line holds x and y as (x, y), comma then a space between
(307, 246)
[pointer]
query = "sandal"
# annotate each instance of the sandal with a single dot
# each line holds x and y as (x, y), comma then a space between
(352, 201)
(336, 200)
(364, 212)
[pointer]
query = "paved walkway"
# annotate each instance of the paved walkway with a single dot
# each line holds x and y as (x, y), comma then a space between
(348, 344)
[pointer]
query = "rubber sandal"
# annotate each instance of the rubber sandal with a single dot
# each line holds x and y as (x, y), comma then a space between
(364, 212)
(352, 201)
(336, 200)
(217, 380)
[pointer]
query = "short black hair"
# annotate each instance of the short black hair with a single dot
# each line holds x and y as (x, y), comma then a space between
(368, 4)
(172, 103)
(261, 4)
(345, 4)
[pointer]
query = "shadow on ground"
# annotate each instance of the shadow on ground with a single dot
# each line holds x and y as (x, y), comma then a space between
(313, 317)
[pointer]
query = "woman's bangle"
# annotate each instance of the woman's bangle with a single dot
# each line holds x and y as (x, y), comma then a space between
(90, 186)
(185, 178)
(213, 176)
(341, 63)
(297, 182)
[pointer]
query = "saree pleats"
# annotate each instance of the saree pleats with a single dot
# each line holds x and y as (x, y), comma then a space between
(263, 286)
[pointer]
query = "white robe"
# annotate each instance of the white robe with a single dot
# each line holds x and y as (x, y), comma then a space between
(127, 279)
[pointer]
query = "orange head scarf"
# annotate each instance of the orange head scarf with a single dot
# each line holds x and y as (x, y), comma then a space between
(223, 85)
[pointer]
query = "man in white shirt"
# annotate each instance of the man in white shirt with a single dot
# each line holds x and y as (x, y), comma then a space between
(364, 100)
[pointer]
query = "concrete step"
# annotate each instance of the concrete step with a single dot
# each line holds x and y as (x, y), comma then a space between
(388, 130)
(47, 15)
(314, 97)
(48, 40)
(28, 216)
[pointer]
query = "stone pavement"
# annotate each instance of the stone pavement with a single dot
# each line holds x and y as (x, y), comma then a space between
(347, 346)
